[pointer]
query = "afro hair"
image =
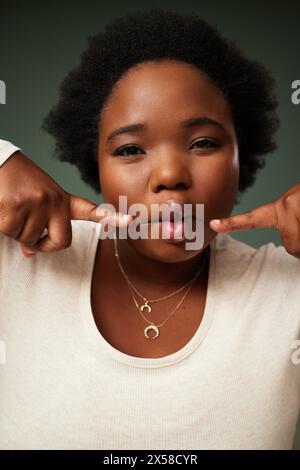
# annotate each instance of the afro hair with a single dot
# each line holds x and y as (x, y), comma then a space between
(153, 35)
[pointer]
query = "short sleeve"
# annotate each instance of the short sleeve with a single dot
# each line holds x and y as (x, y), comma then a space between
(6, 150)
(286, 264)
(286, 269)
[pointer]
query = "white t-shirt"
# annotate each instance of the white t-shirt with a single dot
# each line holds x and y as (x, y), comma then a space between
(6, 150)
(234, 385)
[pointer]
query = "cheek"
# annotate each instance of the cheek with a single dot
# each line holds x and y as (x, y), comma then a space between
(108, 182)
(227, 178)
(217, 184)
(117, 180)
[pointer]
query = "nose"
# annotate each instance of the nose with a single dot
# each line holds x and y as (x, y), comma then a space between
(170, 173)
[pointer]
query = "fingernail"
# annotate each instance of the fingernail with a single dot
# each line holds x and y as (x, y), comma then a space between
(29, 250)
(100, 212)
(216, 221)
(29, 254)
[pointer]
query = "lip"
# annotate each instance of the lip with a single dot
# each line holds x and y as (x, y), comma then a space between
(172, 225)
(173, 228)
(177, 207)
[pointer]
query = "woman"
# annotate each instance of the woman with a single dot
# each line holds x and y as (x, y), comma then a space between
(218, 371)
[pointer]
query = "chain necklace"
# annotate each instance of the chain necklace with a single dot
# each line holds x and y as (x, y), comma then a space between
(132, 288)
(146, 301)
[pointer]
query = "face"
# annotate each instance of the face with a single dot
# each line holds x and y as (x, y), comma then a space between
(172, 154)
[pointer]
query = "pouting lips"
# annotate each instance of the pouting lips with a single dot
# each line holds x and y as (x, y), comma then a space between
(171, 218)
(168, 218)
(176, 210)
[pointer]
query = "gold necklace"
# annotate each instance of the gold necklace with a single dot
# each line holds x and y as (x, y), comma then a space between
(151, 325)
(146, 301)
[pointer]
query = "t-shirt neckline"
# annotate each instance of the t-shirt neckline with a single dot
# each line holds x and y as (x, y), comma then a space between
(105, 347)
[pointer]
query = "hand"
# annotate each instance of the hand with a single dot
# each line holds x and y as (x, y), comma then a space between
(283, 213)
(30, 201)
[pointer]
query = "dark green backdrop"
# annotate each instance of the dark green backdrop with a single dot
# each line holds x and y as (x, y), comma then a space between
(41, 41)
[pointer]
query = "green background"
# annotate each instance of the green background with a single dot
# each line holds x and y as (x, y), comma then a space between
(40, 42)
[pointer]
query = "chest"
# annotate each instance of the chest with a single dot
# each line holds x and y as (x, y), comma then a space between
(123, 324)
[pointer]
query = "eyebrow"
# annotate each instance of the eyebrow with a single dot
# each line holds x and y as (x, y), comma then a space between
(186, 124)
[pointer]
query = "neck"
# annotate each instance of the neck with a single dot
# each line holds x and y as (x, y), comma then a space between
(148, 274)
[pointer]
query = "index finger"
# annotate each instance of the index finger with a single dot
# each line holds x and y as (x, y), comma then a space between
(83, 209)
(263, 216)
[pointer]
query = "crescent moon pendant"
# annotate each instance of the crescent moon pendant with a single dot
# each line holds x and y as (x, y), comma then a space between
(151, 327)
(146, 306)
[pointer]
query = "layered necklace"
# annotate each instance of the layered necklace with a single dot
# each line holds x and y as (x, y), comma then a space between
(146, 305)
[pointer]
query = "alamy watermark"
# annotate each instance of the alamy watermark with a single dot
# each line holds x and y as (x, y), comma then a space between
(295, 97)
(295, 357)
(2, 92)
(173, 220)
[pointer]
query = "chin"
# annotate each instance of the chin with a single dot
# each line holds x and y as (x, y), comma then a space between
(164, 251)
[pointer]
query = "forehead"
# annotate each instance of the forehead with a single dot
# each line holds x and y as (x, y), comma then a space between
(169, 89)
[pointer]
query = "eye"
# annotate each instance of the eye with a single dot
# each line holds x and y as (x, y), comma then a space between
(131, 149)
(206, 142)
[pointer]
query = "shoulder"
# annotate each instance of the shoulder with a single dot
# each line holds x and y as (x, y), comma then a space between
(71, 259)
(268, 262)
(83, 231)
(267, 253)
(84, 236)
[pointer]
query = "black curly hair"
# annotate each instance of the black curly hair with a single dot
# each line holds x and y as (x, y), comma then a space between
(152, 35)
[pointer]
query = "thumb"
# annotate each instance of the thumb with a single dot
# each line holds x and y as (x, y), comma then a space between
(83, 209)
